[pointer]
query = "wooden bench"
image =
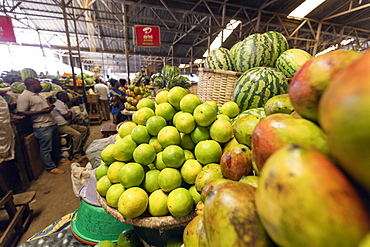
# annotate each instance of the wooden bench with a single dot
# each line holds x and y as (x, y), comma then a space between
(18, 212)
(108, 129)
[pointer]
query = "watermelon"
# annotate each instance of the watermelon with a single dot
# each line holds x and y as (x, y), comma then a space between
(291, 60)
(46, 87)
(279, 43)
(256, 50)
(27, 72)
(257, 85)
(3, 85)
(233, 52)
(219, 59)
(18, 87)
(253, 111)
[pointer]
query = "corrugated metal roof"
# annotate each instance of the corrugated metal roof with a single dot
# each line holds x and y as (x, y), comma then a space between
(186, 26)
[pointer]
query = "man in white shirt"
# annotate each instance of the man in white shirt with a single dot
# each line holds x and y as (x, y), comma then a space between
(63, 116)
(31, 103)
(103, 91)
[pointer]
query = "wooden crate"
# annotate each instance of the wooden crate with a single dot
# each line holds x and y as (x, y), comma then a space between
(92, 98)
(33, 153)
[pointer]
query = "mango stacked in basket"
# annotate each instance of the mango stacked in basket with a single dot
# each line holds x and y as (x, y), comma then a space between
(163, 158)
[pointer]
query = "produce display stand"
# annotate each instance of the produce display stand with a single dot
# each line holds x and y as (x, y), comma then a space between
(216, 84)
(160, 223)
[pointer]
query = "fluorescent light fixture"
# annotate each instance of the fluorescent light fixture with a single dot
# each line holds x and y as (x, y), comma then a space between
(198, 61)
(336, 46)
(224, 34)
(305, 8)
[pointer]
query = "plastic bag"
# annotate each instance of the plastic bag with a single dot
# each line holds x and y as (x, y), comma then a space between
(79, 176)
(93, 151)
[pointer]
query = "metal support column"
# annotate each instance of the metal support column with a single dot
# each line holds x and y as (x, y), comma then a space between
(63, 6)
(127, 44)
(79, 51)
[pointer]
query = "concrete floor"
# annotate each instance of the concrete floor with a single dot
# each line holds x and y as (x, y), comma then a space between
(54, 195)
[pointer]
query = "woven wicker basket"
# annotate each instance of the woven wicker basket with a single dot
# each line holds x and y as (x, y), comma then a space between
(216, 84)
(161, 223)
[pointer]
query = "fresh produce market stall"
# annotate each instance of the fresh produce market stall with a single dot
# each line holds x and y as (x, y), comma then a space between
(272, 149)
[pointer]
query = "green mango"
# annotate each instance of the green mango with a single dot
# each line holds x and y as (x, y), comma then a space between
(129, 238)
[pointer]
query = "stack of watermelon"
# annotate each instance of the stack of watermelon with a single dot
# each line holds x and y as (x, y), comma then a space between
(266, 63)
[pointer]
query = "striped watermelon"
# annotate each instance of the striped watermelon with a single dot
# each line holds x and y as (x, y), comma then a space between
(233, 52)
(256, 50)
(253, 111)
(279, 42)
(27, 72)
(257, 85)
(291, 60)
(219, 59)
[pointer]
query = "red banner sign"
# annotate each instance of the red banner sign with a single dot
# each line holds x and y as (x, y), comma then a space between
(6, 29)
(147, 36)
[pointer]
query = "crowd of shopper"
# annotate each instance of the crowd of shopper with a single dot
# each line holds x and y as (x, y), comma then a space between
(50, 119)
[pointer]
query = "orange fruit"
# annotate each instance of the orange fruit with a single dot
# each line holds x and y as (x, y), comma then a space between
(175, 95)
(221, 130)
(140, 134)
(131, 175)
(113, 171)
(113, 194)
(107, 154)
(145, 102)
(213, 104)
(154, 124)
(169, 179)
(173, 156)
(204, 115)
(126, 128)
(189, 170)
(186, 142)
(162, 97)
(158, 163)
(150, 182)
(180, 202)
(185, 123)
(155, 144)
(200, 134)
(231, 109)
(101, 171)
(144, 154)
(165, 110)
(103, 185)
(123, 149)
(189, 102)
(208, 151)
(142, 115)
(158, 203)
(133, 202)
(168, 135)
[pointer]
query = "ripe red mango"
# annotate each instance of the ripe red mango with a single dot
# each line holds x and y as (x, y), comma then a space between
(278, 130)
(312, 79)
(303, 199)
(344, 116)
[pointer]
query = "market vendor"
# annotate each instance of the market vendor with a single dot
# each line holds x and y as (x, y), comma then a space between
(7, 140)
(103, 91)
(63, 117)
(117, 102)
(32, 104)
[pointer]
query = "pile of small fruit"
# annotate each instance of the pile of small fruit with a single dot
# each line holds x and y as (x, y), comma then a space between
(162, 159)
(134, 94)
